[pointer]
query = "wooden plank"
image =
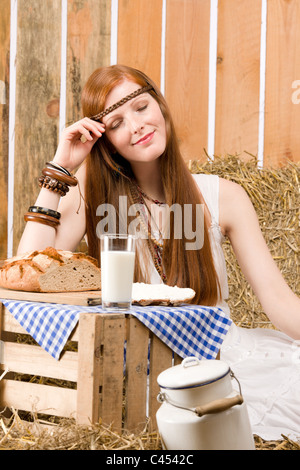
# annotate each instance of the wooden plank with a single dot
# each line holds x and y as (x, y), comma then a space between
(238, 71)
(37, 99)
(9, 323)
(33, 360)
(88, 47)
(160, 359)
(4, 111)
(38, 398)
(139, 35)
(113, 331)
(70, 298)
(136, 375)
(187, 64)
(282, 116)
(88, 368)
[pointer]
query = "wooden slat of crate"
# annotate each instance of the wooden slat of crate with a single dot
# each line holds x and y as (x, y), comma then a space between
(33, 360)
(112, 383)
(88, 368)
(9, 323)
(100, 368)
(136, 374)
(38, 398)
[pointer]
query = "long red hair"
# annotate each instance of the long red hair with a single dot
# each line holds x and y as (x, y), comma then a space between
(184, 268)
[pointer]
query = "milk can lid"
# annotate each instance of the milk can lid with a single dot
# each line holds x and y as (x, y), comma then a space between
(192, 372)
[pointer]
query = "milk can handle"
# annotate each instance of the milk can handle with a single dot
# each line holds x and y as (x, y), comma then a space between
(215, 406)
(218, 405)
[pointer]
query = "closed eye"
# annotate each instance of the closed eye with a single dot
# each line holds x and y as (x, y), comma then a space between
(142, 108)
(115, 124)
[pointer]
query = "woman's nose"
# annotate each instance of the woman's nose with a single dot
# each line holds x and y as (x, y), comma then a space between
(136, 125)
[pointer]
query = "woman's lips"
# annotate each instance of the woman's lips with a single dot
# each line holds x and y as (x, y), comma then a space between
(145, 139)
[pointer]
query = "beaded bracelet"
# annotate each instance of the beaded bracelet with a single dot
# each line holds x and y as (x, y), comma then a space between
(53, 185)
(60, 176)
(42, 219)
(45, 211)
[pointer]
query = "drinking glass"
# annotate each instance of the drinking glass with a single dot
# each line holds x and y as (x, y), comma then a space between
(117, 270)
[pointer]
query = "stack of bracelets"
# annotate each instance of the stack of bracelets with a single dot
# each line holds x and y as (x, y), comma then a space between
(55, 178)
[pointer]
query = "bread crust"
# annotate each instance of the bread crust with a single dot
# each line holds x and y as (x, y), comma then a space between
(66, 270)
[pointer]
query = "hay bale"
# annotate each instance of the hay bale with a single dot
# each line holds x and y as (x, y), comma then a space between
(275, 194)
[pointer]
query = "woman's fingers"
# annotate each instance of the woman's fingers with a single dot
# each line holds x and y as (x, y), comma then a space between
(86, 127)
(94, 127)
(76, 142)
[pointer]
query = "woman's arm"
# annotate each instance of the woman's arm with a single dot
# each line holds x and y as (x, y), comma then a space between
(239, 223)
(70, 154)
(71, 230)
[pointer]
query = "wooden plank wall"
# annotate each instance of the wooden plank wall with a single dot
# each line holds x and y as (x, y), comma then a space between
(239, 97)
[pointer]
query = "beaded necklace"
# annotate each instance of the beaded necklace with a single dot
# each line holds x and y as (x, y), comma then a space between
(145, 196)
(155, 246)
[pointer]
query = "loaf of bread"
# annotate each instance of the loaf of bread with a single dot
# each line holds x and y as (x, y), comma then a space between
(160, 294)
(51, 270)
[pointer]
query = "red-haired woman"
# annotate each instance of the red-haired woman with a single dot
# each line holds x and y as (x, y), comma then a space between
(126, 145)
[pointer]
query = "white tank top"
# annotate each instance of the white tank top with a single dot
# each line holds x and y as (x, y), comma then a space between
(209, 187)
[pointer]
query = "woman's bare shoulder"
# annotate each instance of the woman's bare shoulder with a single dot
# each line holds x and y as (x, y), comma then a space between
(229, 188)
(235, 205)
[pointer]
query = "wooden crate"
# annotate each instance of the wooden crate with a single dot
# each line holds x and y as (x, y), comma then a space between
(92, 381)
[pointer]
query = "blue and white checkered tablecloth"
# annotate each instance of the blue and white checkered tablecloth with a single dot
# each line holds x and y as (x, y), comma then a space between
(189, 330)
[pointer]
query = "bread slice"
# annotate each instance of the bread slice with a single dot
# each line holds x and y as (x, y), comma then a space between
(160, 294)
(51, 270)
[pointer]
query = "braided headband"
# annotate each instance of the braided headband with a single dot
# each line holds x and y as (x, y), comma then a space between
(124, 100)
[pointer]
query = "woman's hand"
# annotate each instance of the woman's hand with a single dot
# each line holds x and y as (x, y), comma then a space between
(77, 141)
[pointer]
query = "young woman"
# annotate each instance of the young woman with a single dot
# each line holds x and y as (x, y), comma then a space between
(126, 146)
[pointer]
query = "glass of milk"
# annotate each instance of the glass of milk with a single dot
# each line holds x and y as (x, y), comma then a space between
(117, 269)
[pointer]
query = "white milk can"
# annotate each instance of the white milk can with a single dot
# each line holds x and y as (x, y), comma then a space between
(200, 410)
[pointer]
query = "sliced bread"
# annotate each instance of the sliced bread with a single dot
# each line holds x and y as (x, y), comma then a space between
(51, 270)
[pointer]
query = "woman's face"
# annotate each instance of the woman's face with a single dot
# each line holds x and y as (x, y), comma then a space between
(137, 129)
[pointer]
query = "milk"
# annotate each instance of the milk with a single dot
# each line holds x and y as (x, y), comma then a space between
(117, 268)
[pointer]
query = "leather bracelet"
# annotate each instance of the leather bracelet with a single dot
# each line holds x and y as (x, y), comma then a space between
(42, 219)
(60, 176)
(45, 211)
